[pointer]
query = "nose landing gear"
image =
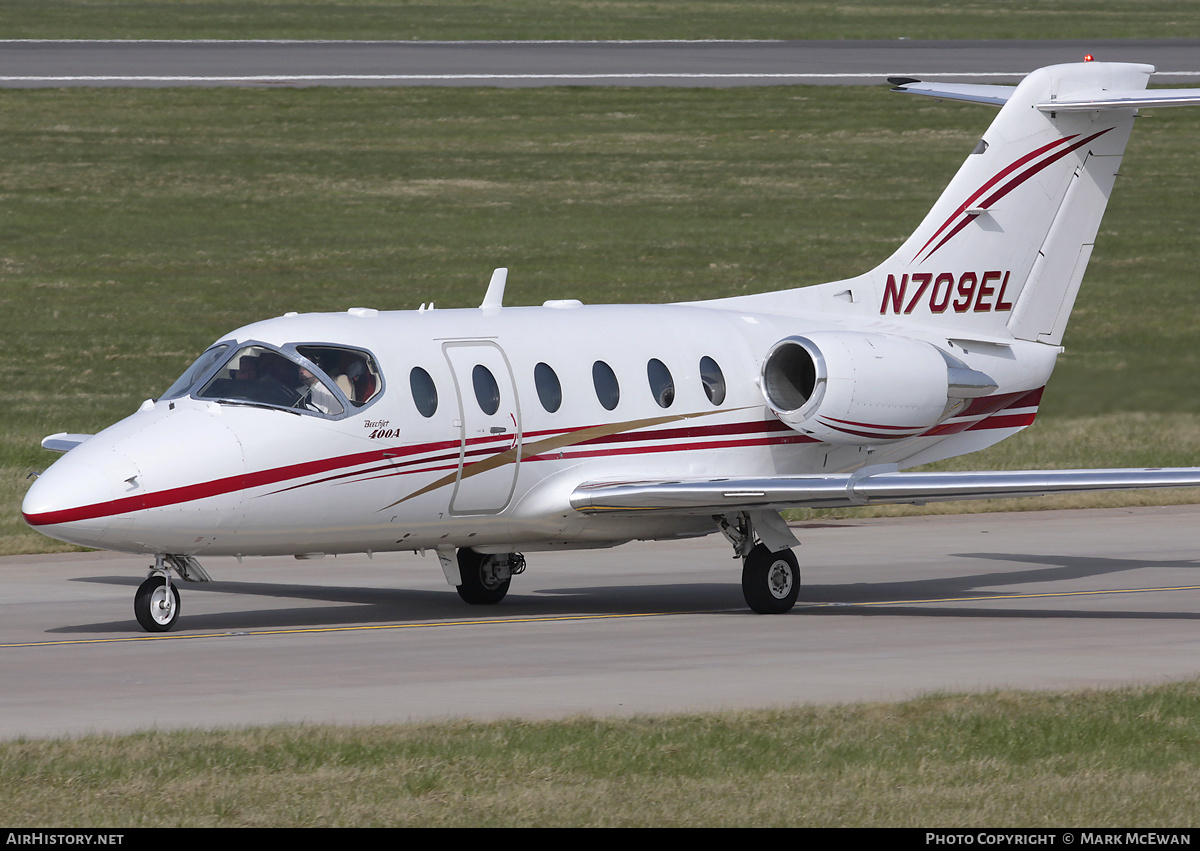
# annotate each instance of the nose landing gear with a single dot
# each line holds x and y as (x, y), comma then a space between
(156, 603)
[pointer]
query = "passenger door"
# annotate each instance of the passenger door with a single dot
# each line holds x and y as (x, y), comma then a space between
(489, 422)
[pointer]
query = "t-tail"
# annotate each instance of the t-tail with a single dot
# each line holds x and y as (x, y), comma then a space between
(1004, 249)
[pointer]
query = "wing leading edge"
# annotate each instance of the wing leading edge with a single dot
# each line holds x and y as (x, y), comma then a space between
(63, 442)
(720, 496)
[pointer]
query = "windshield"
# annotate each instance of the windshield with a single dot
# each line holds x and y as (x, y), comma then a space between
(257, 375)
(195, 372)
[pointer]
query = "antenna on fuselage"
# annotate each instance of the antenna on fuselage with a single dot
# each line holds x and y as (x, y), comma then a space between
(494, 297)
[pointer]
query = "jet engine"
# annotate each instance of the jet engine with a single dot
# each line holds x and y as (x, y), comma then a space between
(862, 389)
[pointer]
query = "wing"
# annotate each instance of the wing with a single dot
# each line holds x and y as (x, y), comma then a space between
(63, 442)
(721, 496)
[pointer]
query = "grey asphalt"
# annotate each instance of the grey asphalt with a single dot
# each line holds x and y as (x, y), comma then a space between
(717, 63)
(890, 609)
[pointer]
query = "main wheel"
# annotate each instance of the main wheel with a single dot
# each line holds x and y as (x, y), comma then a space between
(770, 581)
(156, 604)
(480, 584)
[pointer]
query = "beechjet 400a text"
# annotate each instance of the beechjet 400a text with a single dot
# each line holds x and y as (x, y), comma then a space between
(483, 434)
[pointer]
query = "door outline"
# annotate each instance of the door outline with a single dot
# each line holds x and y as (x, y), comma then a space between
(473, 494)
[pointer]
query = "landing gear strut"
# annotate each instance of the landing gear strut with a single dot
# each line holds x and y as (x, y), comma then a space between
(770, 572)
(156, 603)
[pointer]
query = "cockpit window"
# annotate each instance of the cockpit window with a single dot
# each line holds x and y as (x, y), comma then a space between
(195, 372)
(257, 375)
(354, 372)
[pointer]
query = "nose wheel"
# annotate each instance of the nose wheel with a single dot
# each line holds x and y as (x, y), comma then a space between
(156, 604)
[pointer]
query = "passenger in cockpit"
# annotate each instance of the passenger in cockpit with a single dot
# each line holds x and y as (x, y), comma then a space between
(313, 392)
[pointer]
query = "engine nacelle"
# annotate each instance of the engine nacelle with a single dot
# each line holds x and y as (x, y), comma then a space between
(857, 388)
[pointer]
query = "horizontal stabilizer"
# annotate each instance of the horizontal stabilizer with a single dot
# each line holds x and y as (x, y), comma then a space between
(719, 496)
(1123, 100)
(63, 442)
(1076, 102)
(966, 92)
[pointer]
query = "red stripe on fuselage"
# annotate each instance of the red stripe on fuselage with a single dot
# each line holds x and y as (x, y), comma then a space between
(986, 407)
(682, 440)
(246, 481)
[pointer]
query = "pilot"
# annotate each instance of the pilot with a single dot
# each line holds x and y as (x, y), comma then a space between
(247, 369)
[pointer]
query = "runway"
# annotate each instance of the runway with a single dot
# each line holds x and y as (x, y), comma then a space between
(891, 609)
(34, 64)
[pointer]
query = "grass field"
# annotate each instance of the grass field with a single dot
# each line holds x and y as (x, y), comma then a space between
(141, 225)
(1123, 759)
(598, 19)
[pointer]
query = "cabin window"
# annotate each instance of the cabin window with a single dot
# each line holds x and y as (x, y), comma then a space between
(424, 392)
(257, 375)
(549, 389)
(184, 384)
(487, 391)
(353, 371)
(713, 380)
(607, 389)
(662, 386)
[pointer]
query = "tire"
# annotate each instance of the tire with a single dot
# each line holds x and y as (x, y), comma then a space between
(479, 587)
(156, 609)
(770, 581)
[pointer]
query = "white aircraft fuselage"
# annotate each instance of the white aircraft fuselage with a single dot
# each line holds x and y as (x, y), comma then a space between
(204, 477)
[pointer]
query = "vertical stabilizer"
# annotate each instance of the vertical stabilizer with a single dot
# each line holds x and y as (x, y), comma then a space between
(1005, 247)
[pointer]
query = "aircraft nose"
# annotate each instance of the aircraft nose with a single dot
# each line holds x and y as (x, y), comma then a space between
(65, 501)
(142, 485)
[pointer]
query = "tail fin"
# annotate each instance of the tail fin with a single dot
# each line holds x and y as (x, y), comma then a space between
(1005, 247)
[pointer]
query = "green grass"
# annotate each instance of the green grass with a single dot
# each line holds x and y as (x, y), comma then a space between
(598, 19)
(1128, 758)
(140, 225)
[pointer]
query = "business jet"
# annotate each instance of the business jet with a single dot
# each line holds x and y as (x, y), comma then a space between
(485, 434)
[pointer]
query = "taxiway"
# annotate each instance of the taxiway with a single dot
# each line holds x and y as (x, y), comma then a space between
(891, 608)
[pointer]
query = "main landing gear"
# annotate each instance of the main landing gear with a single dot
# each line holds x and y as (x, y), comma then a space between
(156, 603)
(770, 580)
(484, 578)
(770, 572)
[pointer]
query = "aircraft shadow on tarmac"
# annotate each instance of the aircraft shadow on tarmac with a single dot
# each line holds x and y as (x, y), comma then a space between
(338, 606)
(361, 605)
(1057, 570)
